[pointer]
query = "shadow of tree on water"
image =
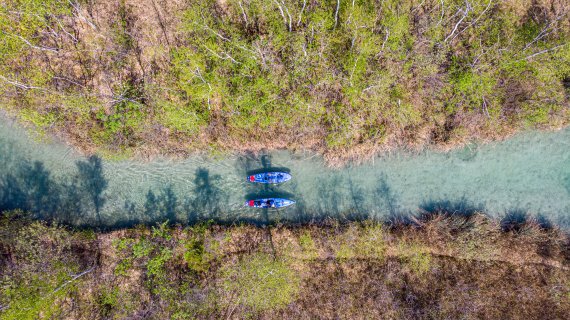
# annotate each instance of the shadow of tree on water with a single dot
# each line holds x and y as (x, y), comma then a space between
(92, 181)
(384, 193)
(357, 196)
(161, 206)
(566, 183)
(205, 202)
(432, 209)
(81, 198)
(208, 197)
(250, 164)
(31, 187)
(516, 220)
(386, 200)
(461, 207)
(329, 198)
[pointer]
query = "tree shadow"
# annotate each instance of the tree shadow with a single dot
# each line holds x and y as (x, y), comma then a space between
(461, 207)
(250, 164)
(384, 193)
(92, 181)
(538, 227)
(387, 200)
(432, 209)
(329, 199)
(356, 196)
(31, 187)
(516, 220)
(299, 213)
(246, 162)
(161, 206)
(132, 211)
(80, 199)
(12, 196)
(208, 198)
(566, 183)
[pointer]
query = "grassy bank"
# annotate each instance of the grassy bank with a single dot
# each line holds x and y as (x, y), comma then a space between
(347, 78)
(439, 267)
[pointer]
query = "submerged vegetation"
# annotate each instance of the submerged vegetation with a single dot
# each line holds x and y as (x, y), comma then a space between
(344, 77)
(440, 266)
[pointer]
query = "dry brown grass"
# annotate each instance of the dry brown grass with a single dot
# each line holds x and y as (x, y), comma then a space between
(440, 266)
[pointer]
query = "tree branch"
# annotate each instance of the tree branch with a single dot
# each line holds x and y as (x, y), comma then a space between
(20, 85)
(302, 9)
(465, 13)
(73, 279)
(244, 15)
(474, 21)
(336, 13)
(545, 51)
(282, 13)
(31, 44)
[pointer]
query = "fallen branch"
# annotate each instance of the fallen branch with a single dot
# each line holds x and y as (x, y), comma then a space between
(465, 14)
(75, 277)
(223, 58)
(544, 32)
(302, 9)
(244, 15)
(474, 21)
(77, 8)
(228, 40)
(289, 15)
(442, 12)
(544, 51)
(33, 45)
(336, 13)
(21, 85)
(199, 75)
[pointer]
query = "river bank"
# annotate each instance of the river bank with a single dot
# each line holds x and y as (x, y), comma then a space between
(440, 266)
(348, 81)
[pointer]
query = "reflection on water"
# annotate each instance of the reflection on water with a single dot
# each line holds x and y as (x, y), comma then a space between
(527, 176)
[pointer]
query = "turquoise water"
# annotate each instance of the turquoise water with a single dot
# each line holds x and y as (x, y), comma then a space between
(527, 174)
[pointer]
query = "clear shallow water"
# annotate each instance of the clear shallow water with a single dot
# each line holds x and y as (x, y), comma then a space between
(529, 173)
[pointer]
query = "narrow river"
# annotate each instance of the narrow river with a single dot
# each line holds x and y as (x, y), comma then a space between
(527, 174)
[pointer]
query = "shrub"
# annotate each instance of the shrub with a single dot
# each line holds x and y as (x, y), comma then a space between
(308, 246)
(260, 282)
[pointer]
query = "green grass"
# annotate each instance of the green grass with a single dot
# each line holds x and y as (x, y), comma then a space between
(308, 246)
(261, 282)
(416, 256)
